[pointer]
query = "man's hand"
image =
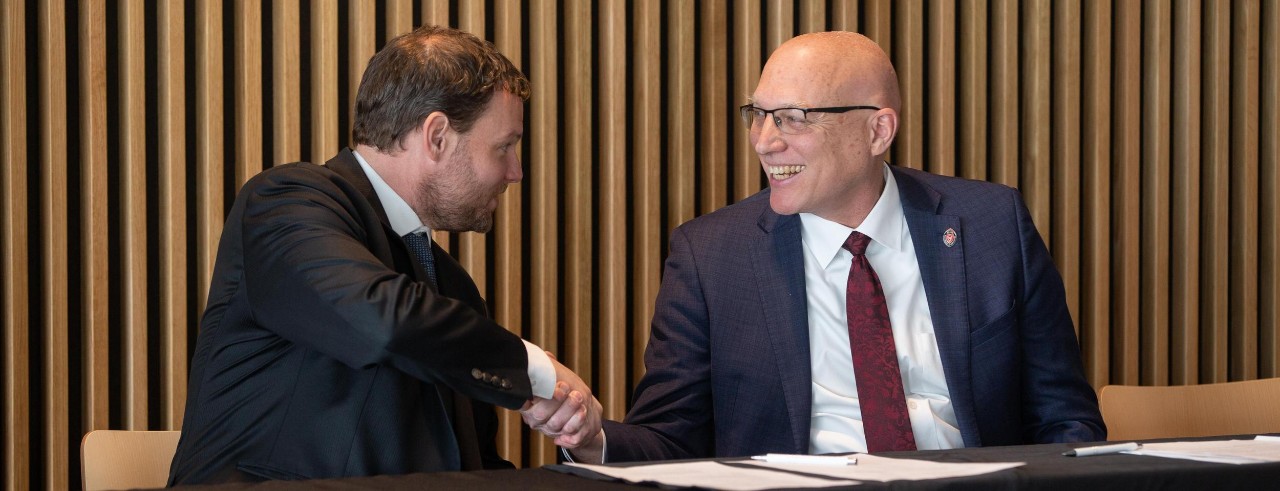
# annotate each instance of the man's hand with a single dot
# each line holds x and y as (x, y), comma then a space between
(571, 416)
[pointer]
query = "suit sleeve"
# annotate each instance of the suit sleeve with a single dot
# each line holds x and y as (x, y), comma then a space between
(312, 278)
(1059, 405)
(671, 417)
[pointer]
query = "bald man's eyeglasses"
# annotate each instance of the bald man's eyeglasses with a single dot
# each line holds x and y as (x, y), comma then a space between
(789, 120)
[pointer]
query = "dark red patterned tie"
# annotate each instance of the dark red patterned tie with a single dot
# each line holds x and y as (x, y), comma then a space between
(875, 359)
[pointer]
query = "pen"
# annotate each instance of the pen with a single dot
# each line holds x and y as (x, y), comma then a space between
(1102, 449)
(831, 460)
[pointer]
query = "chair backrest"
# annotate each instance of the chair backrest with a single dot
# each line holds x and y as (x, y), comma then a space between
(114, 459)
(1229, 408)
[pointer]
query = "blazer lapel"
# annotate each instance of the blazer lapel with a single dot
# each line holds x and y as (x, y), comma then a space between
(780, 277)
(942, 270)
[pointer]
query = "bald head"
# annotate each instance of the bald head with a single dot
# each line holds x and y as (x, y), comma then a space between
(833, 68)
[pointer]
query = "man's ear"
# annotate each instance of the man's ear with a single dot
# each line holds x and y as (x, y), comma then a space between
(436, 130)
(883, 126)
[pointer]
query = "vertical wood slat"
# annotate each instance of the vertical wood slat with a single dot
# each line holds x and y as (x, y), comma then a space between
(54, 254)
(780, 17)
(1034, 144)
(1215, 168)
(940, 133)
(209, 142)
(248, 90)
(746, 73)
(132, 122)
(1003, 102)
(646, 152)
(508, 242)
(1065, 149)
(1156, 203)
(437, 12)
(1242, 295)
(1269, 192)
(844, 15)
(399, 18)
(813, 16)
(1126, 182)
(362, 38)
(324, 83)
(612, 138)
(716, 116)
(876, 23)
(1095, 222)
(14, 310)
(94, 283)
(681, 118)
(1185, 247)
(173, 232)
(909, 62)
(544, 70)
(578, 211)
(973, 115)
(286, 75)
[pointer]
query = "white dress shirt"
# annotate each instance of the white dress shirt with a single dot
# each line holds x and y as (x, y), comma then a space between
(836, 424)
(542, 376)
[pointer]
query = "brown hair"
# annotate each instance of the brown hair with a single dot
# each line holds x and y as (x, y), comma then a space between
(426, 70)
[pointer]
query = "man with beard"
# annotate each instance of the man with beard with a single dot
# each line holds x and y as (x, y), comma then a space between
(338, 340)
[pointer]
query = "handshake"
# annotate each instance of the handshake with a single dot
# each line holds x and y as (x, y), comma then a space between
(571, 416)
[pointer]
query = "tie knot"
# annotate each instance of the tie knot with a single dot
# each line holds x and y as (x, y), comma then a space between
(420, 247)
(857, 243)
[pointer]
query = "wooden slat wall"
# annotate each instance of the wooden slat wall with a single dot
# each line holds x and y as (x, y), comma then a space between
(1143, 135)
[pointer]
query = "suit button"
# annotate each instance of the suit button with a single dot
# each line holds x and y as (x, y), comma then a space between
(506, 384)
(477, 374)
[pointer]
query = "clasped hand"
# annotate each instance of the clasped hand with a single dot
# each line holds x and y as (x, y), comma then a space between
(571, 416)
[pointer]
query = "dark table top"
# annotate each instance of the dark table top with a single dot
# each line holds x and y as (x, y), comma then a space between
(1046, 469)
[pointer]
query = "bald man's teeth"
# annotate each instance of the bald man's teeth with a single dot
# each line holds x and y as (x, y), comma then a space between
(781, 172)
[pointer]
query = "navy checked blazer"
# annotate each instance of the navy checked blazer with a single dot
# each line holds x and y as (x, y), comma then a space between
(728, 370)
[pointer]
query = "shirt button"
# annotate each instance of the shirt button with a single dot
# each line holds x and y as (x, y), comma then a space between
(911, 404)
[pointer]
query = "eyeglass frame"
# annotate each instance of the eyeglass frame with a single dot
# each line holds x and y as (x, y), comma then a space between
(744, 109)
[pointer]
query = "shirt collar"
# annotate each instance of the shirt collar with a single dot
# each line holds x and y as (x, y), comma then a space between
(402, 217)
(824, 238)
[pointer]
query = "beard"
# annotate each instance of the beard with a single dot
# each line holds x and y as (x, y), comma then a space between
(455, 200)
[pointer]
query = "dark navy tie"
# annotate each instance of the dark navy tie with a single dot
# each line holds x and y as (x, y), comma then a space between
(420, 246)
(875, 358)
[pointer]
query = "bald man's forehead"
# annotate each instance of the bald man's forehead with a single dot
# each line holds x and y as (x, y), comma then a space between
(805, 77)
(829, 69)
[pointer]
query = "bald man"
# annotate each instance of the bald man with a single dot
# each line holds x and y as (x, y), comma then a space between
(956, 315)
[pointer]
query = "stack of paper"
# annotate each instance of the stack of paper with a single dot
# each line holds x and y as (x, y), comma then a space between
(1260, 449)
(750, 475)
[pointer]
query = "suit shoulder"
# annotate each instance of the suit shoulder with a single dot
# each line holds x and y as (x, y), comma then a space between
(949, 184)
(299, 176)
(955, 195)
(291, 172)
(732, 217)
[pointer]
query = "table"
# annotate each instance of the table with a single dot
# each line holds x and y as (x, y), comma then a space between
(1045, 469)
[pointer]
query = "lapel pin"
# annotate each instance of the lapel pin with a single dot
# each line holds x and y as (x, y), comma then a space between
(949, 237)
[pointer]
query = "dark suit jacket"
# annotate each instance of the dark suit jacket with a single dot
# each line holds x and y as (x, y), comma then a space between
(728, 370)
(324, 351)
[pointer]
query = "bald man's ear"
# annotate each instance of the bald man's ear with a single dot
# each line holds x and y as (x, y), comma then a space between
(884, 126)
(436, 134)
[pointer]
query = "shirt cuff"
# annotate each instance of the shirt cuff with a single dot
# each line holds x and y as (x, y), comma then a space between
(542, 376)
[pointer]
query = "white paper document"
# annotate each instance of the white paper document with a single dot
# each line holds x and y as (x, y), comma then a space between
(1259, 450)
(752, 475)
